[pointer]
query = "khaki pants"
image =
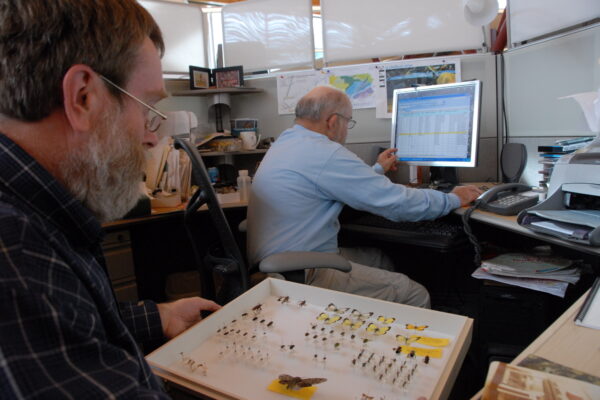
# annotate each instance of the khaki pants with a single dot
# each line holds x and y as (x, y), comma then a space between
(371, 276)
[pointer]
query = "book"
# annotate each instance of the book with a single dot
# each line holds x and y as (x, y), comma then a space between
(550, 286)
(562, 149)
(566, 142)
(506, 381)
(589, 315)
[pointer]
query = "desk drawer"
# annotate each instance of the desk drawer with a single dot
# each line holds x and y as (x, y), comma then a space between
(119, 263)
(126, 291)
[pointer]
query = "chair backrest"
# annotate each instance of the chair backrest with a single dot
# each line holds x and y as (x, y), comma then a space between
(228, 261)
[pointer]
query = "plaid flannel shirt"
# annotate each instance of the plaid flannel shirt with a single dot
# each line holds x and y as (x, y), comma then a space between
(62, 334)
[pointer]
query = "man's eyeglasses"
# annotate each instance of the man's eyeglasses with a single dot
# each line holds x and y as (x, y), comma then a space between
(351, 122)
(152, 122)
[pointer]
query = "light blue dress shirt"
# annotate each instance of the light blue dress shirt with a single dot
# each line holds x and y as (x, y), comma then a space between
(304, 181)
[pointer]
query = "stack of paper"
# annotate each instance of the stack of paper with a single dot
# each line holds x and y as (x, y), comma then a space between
(548, 274)
(505, 381)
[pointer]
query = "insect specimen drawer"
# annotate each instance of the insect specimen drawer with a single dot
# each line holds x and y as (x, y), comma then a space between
(280, 336)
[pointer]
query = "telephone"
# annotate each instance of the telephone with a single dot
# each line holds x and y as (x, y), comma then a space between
(507, 199)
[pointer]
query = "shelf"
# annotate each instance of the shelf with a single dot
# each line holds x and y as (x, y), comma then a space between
(207, 92)
(232, 153)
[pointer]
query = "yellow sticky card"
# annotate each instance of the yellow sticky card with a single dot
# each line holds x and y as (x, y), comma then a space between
(422, 352)
(385, 320)
(429, 341)
(302, 393)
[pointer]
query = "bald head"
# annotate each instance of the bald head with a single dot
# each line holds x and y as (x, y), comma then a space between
(320, 110)
(320, 103)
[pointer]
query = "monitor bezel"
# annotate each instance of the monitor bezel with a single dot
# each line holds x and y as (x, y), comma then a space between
(475, 120)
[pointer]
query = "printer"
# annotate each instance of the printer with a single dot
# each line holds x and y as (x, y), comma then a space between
(571, 210)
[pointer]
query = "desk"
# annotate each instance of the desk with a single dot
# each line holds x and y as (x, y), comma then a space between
(153, 247)
(161, 213)
(567, 344)
(510, 224)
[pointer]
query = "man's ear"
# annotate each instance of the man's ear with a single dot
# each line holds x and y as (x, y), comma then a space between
(82, 97)
(332, 122)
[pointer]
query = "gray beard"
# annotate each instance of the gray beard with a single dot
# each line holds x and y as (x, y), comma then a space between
(105, 175)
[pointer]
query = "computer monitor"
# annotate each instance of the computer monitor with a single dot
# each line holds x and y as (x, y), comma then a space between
(437, 125)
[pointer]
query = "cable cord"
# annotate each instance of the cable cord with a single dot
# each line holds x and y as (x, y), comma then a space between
(469, 232)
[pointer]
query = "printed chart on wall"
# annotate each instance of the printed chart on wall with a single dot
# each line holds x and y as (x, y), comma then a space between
(409, 73)
(291, 87)
(358, 82)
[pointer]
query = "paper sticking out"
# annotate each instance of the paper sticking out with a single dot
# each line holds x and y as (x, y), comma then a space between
(303, 394)
(590, 104)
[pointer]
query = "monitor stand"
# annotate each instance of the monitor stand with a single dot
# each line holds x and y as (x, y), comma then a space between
(443, 177)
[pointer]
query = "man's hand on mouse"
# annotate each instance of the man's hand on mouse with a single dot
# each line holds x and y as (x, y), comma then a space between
(466, 194)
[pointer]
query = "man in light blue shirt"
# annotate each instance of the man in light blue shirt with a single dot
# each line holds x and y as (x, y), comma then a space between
(308, 176)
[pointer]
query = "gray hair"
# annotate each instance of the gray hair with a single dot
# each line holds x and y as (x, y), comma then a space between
(318, 104)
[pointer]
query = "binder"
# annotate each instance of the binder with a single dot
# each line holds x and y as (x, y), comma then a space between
(589, 315)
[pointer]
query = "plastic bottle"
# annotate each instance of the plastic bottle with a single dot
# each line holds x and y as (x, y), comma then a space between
(213, 174)
(243, 185)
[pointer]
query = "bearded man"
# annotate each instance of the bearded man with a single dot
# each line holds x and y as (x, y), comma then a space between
(78, 84)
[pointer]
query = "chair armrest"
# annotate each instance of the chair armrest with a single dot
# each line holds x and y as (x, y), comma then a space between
(298, 260)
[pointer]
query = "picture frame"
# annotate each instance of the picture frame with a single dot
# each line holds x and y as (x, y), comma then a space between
(228, 77)
(200, 78)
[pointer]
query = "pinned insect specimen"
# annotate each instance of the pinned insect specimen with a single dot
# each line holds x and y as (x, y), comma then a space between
(357, 314)
(302, 303)
(417, 327)
(257, 308)
(322, 317)
(386, 320)
(328, 319)
(295, 382)
(331, 307)
(193, 365)
(377, 330)
(283, 299)
(406, 339)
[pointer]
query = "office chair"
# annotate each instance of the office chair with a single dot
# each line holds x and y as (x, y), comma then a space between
(222, 261)
(225, 261)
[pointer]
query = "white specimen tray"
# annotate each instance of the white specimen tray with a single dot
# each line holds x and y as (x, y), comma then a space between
(237, 366)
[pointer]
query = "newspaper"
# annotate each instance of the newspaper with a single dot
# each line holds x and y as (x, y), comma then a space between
(556, 288)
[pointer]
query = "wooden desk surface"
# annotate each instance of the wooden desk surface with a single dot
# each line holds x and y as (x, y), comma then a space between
(161, 213)
(567, 344)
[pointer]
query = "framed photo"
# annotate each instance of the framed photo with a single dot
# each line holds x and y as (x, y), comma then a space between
(199, 77)
(228, 77)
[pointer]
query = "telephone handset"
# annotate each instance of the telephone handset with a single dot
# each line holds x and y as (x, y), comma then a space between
(507, 199)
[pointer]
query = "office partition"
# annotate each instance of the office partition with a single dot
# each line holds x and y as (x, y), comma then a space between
(355, 29)
(264, 34)
(533, 18)
(182, 29)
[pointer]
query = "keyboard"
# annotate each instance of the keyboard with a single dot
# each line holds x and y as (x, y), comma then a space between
(440, 234)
